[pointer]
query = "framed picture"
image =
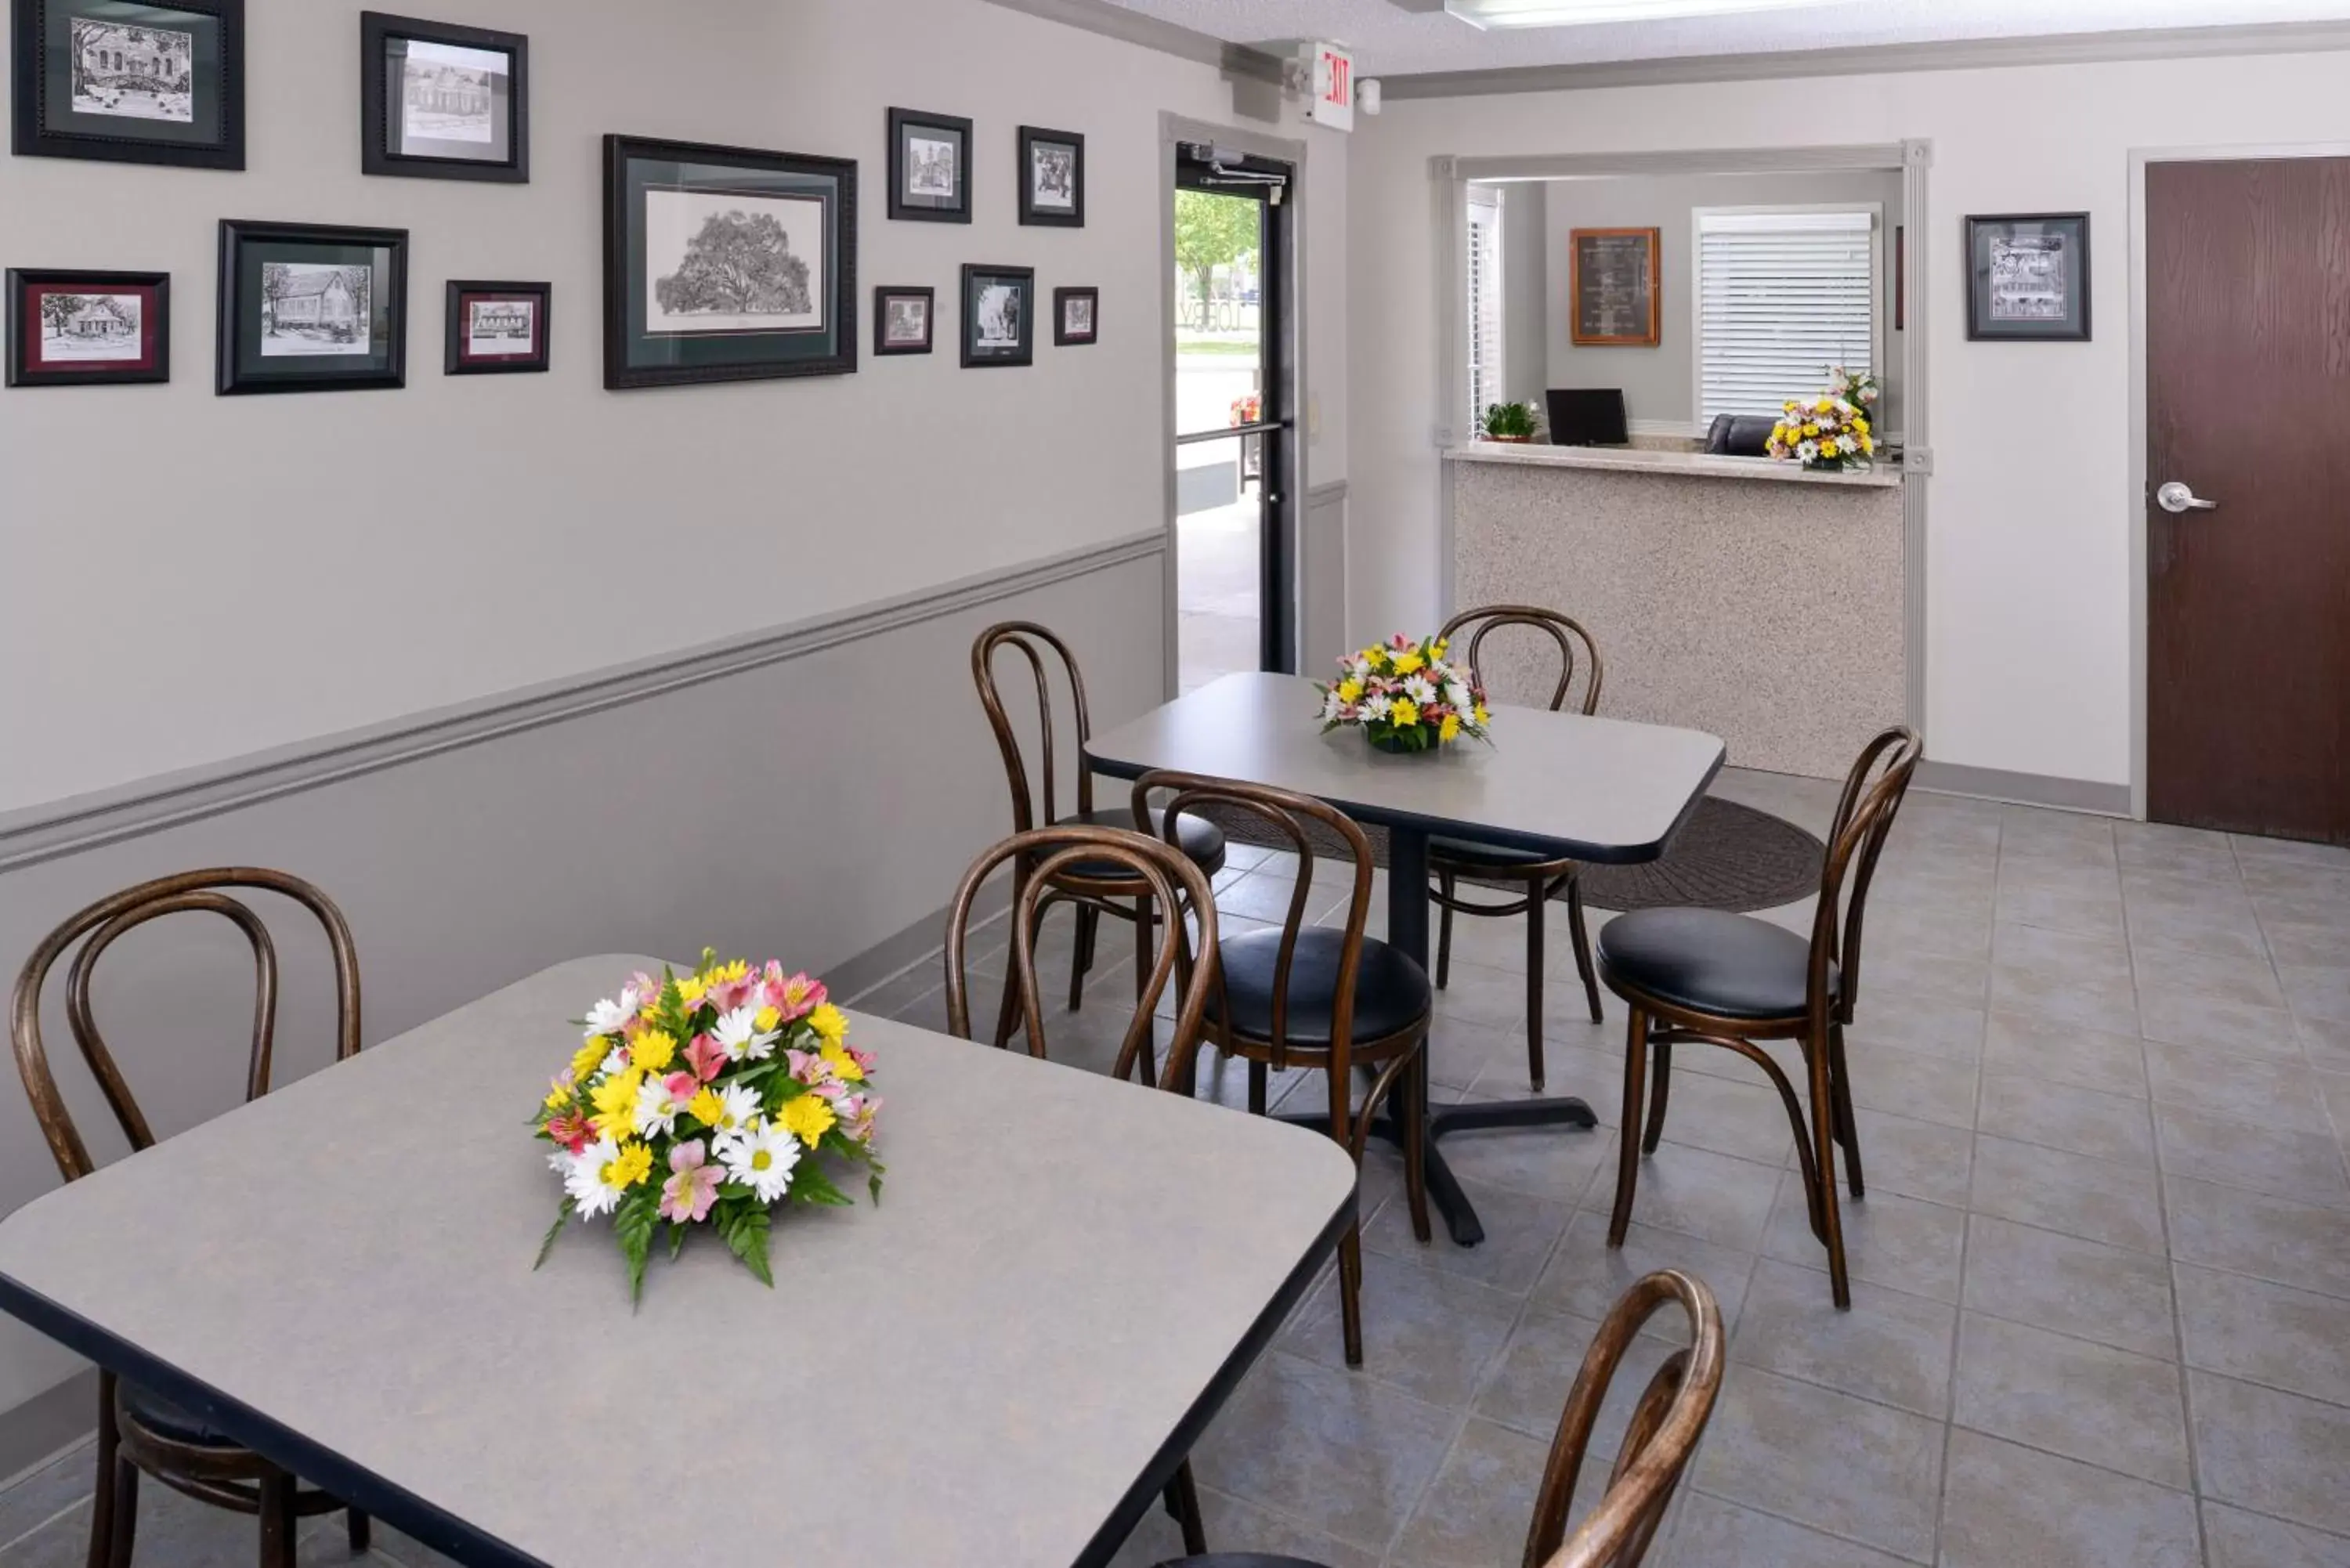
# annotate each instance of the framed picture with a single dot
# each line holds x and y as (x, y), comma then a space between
(498, 329)
(722, 264)
(131, 83)
(1615, 288)
(89, 328)
(929, 167)
(1052, 177)
(1900, 279)
(307, 307)
(438, 101)
(1077, 314)
(999, 316)
(2027, 277)
(901, 320)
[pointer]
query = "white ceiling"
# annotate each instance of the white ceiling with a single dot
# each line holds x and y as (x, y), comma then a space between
(1390, 41)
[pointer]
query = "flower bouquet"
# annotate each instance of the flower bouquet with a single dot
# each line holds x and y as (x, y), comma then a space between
(707, 1100)
(1822, 432)
(1858, 388)
(1405, 696)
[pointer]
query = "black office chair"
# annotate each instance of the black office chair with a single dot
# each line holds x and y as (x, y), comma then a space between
(1740, 435)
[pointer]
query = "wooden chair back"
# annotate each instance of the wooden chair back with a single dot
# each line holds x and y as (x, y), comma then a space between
(1177, 886)
(1663, 1433)
(102, 924)
(1043, 648)
(1873, 793)
(1575, 648)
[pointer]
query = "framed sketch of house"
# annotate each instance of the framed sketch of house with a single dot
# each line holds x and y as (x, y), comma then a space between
(1052, 177)
(929, 167)
(902, 318)
(2027, 277)
(88, 328)
(1614, 291)
(496, 328)
(724, 264)
(307, 307)
(441, 101)
(131, 83)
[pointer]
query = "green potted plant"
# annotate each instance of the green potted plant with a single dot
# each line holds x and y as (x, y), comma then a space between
(1510, 423)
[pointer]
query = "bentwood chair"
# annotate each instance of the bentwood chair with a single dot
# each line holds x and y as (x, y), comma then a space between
(1664, 1430)
(1177, 884)
(1314, 997)
(1708, 977)
(139, 1430)
(1539, 878)
(1096, 889)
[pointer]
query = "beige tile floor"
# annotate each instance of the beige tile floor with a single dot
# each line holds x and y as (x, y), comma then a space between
(2102, 1308)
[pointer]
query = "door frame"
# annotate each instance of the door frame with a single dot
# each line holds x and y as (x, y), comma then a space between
(1174, 129)
(2139, 158)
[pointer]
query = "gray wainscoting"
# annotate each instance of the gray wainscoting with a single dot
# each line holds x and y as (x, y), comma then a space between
(811, 793)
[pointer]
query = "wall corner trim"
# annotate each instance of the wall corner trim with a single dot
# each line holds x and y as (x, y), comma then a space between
(1150, 33)
(2024, 789)
(47, 832)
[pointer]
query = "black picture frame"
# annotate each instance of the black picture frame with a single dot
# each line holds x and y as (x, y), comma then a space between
(920, 207)
(250, 316)
(463, 353)
(979, 354)
(884, 297)
(389, 146)
(689, 180)
(1040, 206)
(1062, 337)
(2029, 306)
(47, 86)
(100, 292)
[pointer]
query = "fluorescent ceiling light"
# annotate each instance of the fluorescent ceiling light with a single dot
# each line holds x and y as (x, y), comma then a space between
(1579, 13)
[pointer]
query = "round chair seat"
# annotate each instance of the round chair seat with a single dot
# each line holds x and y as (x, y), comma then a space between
(1710, 960)
(171, 1422)
(1462, 852)
(1392, 992)
(1201, 841)
(1238, 1559)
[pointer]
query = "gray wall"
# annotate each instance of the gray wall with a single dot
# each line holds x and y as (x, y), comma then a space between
(1526, 284)
(1659, 383)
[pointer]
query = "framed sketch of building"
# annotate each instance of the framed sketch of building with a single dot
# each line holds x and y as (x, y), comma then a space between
(441, 101)
(88, 328)
(1052, 177)
(929, 167)
(1077, 314)
(496, 328)
(305, 307)
(2027, 277)
(999, 316)
(725, 263)
(901, 319)
(129, 82)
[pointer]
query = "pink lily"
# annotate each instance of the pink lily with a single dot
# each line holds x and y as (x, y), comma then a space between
(688, 1194)
(808, 1067)
(681, 1088)
(705, 1057)
(795, 997)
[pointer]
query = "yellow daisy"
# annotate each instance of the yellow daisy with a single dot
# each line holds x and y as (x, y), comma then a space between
(809, 1117)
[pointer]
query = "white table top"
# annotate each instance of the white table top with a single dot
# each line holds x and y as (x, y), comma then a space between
(1598, 790)
(1063, 1277)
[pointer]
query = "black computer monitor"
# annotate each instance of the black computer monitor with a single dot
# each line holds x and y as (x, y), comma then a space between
(1581, 416)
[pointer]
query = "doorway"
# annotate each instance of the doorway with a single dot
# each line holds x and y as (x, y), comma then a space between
(1235, 453)
(2247, 289)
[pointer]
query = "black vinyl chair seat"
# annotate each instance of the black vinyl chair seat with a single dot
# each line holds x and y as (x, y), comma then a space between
(1392, 992)
(1498, 858)
(170, 1421)
(1201, 840)
(1710, 960)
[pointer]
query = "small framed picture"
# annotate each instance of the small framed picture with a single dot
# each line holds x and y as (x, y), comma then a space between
(498, 329)
(929, 167)
(89, 328)
(999, 316)
(131, 83)
(901, 320)
(723, 264)
(1075, 314)
(2027, 277)
(307, 307)
(440, 101)
(1052, 177)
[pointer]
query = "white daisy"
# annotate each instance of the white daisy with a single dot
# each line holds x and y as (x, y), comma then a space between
(740, 1103)
(1379, 707)
(761, 1160)
(611, 1017)
(657, 1108)
(1456, 696)
(587, 1177)
(1807, 450)
(1417, 689)
(617, 1062)
(739, 1035)
(1362, 670)
(1331, 707)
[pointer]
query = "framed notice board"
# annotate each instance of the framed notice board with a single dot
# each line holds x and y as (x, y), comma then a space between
(1613, 287)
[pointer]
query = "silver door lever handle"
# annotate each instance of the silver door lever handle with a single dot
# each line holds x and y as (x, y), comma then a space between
(2176, 497)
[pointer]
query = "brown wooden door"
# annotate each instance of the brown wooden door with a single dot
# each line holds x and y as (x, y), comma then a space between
(2248, 404)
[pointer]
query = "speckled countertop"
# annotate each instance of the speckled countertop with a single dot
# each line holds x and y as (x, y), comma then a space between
(1686, 464)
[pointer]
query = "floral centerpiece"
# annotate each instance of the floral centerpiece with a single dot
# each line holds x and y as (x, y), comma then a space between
(1821, 432)
(708, 1100)
(1406, 696)
(1858, 388)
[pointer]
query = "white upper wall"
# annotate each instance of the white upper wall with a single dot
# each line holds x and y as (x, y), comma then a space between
(2028, 592)
(193, 578)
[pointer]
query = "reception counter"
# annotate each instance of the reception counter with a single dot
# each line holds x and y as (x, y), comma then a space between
(1737, 596)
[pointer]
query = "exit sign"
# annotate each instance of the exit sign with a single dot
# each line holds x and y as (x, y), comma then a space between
(1334, 86)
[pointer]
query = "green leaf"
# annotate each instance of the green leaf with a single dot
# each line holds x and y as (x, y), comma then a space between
(811, 1185)
(746, 1232)
(873, 1185)
(676, 1241)
(633, 1223)
(561, 1215)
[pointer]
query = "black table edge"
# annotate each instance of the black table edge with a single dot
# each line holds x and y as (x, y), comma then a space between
(289, 1449)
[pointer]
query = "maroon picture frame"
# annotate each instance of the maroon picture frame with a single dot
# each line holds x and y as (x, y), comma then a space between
(459, 357)
(116, 354)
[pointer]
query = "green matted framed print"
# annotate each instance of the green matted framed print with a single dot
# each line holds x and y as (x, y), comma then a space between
(723, 264)
(131, 83)
(311, 308)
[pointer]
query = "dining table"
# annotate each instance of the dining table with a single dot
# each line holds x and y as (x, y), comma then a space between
(1003, 1361)
(1566, 785)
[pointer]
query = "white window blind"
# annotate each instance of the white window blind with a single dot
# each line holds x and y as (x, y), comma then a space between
(1485, 304)
(1781, 296)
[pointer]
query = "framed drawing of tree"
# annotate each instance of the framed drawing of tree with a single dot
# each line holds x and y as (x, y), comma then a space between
(722, 264)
